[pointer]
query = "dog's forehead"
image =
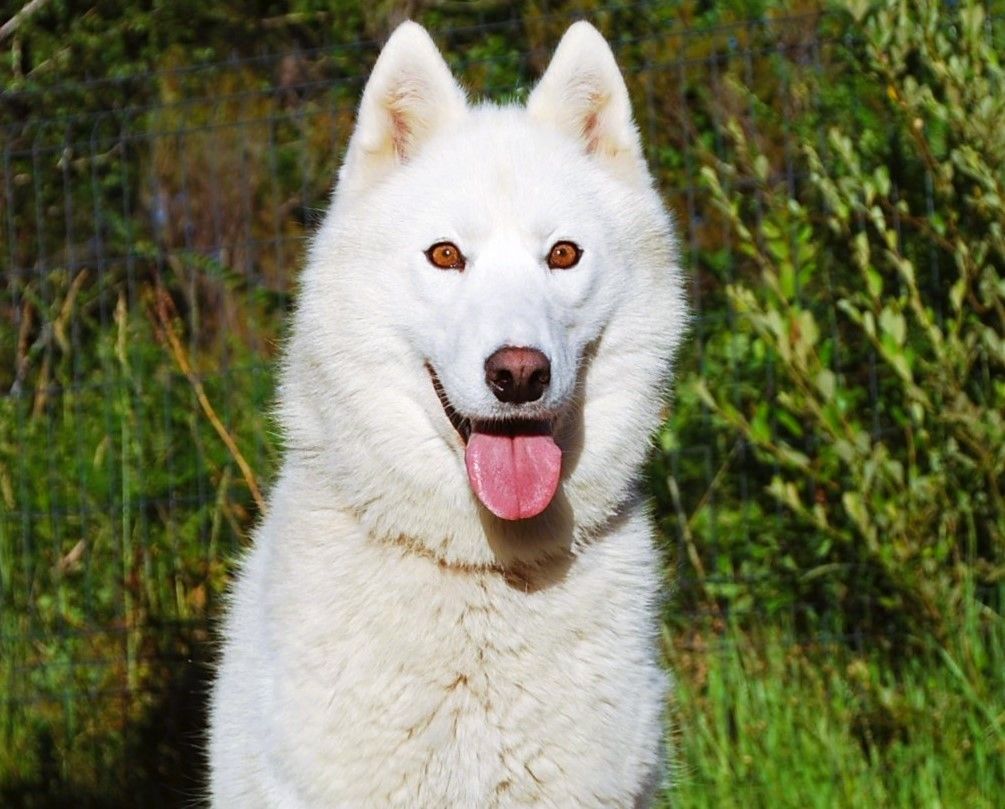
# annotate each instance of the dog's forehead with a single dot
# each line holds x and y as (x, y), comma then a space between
(503, 166)
(506, 140)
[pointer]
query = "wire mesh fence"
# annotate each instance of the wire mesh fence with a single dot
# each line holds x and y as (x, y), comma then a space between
(152, 229)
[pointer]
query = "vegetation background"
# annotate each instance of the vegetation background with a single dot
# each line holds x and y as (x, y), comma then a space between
(829, 481)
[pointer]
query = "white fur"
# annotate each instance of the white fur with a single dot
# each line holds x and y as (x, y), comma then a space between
(390, 642)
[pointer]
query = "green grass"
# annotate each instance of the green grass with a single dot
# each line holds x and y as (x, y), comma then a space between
(764, 722)
(120, 513)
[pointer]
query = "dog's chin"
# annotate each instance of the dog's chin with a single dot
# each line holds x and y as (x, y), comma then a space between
(514, 464)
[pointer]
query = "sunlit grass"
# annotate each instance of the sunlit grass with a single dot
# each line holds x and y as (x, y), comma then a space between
(764, 722)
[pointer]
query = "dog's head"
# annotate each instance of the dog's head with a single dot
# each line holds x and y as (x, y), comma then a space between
(489, 311)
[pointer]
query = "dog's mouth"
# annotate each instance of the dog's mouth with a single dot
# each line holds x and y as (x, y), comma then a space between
(513, 464)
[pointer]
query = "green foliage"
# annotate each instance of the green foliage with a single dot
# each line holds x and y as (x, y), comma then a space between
(870, 318)
(119, 514)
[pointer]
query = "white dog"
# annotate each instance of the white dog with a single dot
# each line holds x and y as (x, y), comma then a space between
(452, 601)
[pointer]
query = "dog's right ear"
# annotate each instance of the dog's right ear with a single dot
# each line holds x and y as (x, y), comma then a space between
(410, 96)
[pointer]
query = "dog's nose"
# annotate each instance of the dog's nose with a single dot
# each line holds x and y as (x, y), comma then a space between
(517, 375)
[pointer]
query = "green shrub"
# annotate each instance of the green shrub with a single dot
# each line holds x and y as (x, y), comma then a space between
(870, 322)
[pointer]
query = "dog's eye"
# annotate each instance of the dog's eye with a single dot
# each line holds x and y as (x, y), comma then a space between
(564, 255)
(446, 256)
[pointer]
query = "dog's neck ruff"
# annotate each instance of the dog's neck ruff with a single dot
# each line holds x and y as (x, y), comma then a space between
(524, 575)
(527, 574)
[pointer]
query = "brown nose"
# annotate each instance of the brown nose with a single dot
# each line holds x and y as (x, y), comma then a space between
(517, 375)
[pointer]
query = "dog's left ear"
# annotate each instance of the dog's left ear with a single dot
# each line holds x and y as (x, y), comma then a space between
(583, 94)
(410, 96)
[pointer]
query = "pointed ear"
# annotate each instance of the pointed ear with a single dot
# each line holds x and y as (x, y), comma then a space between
(410, 96)
(583, 94)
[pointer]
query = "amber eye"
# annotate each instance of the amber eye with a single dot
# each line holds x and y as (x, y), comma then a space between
(446, 256)
(564, 255)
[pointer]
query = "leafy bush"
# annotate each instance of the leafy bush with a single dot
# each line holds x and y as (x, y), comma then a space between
(870, 319)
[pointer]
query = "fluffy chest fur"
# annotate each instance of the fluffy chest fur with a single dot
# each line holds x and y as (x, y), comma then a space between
(408, 683)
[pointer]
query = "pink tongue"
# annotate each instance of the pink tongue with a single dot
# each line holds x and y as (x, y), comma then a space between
(515, 477)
